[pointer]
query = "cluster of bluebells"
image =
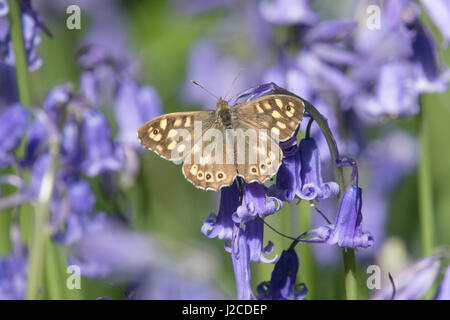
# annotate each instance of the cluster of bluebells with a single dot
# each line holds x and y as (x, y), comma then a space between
(75, 124)
(244, 206)
(32, 26)
(357, 75)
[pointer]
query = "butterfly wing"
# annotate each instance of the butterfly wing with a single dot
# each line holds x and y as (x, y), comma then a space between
(211, 163)
(280, 114)
(171, 136)
(262, 158)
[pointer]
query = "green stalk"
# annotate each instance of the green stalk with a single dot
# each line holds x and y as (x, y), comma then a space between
(308, 266)
(425, 189)
(425, 186)
(348, 254)
(19, 52)
(41, 233)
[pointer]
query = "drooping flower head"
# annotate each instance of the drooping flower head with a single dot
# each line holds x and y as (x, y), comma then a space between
(283, 280)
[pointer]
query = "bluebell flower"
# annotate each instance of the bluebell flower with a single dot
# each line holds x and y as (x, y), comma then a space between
(4, 9)
(312, 185)
(255, 202)
(347, 229)
(439, 12)
(288, 180)
(102, 154)
(282, 282)
(89, 86)
(412, 283)
(240, 255)
(13, 124)
(31, 26)
(133, 106)
(81, 205)
(221, 225)
(443, 292)
(36, 137)
(13, 274)
(72, 146)
(300, 174)
(56, 101)
(38, 170)
(254, 232)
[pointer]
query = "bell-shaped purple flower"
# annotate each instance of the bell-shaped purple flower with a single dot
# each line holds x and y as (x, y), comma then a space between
(72, 149)
(300, 173)
(254, 231)
(4, 9)
(56, 100)
(133, 106)
(240, 255)
(38, 170)
(282, 282)
(255, 202)
(13, 270)
(13, 123)
(312, 185)
(287, 177)
(347, 230)
(102, 154)
(439, 12)
(37, 135)
(221, 225)
(81, 206)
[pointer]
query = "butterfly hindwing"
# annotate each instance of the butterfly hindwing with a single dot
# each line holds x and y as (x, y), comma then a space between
(262, 158)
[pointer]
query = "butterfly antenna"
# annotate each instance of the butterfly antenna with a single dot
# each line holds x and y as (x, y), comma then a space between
(232, 83)
(196, 83)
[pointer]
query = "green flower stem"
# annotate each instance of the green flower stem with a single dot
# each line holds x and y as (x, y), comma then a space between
(41, 233)
(425, 189)
(425, 186)
(308, 265)
(19, 52)
(349, 254)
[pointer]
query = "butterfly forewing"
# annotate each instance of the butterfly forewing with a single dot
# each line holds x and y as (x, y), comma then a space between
(172, 135)
(280, 114)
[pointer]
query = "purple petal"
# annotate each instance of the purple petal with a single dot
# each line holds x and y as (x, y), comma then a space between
(439, 11)
(412, 283)
(240, 254)
(443, 292)
(348, 226)
(312, 186)
(254, 202)
(221, 226)
(13, 123)
(283, 279)
(102, 153)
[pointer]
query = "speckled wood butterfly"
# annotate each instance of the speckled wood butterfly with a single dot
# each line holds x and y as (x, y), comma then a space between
(218, 145)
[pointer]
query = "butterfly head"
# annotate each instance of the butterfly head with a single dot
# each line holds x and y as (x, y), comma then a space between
(222, 104)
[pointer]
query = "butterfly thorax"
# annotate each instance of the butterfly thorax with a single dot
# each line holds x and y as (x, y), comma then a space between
(224, 113)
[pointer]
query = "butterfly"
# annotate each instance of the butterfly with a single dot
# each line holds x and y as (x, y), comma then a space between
(246, 139)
